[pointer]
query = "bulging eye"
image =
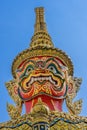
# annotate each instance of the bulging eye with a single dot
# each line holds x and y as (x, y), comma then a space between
(52, 68)
(28, 70)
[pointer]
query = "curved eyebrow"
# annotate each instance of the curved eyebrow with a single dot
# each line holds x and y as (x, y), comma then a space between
(61, 66)
(52, 59)
(23, 66)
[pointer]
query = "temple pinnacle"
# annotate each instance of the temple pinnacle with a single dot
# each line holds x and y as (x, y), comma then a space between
(40, 23)
(41, 37)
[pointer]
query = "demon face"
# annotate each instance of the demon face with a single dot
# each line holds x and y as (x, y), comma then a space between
(42, 77)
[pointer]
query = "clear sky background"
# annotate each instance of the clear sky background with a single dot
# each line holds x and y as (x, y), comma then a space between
(67, 24)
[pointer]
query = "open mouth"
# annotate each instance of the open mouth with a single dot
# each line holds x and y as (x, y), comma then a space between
(56, 85)
(41, 80)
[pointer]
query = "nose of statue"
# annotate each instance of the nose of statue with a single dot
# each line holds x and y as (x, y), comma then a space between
(41, 71)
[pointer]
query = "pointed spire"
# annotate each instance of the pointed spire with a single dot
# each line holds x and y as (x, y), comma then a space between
(40, 23)
(41, 37)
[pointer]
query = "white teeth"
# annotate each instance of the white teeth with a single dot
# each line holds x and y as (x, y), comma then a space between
(35, 79)
(47, 78)
(40, 79)
(32, 80)
(50, 78)
(53, 82)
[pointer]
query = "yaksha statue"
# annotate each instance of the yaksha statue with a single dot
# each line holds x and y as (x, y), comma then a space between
(43, 79)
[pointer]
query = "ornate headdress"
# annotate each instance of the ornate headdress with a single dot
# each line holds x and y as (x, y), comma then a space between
(41, 45)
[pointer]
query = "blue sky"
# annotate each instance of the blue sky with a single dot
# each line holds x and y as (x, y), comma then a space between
(67, 24)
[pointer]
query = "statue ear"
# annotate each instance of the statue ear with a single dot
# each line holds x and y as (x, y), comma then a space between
(16, 89)
(70, 88)
(70, 85)
(16, 86)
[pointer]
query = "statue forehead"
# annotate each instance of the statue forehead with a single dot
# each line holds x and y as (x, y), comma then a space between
(40, 59)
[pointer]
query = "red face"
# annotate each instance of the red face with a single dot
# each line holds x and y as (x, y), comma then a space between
(42, 77)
